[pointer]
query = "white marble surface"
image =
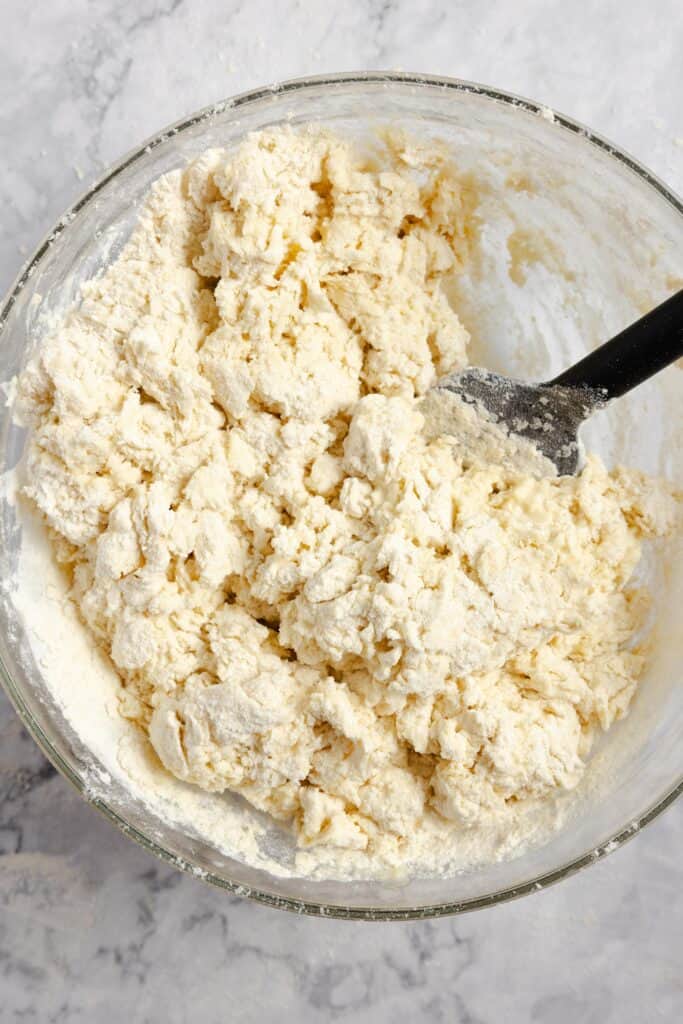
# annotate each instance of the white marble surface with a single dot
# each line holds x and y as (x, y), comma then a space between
(94, 930)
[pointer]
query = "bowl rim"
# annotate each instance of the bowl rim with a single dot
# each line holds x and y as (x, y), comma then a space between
(235, 103)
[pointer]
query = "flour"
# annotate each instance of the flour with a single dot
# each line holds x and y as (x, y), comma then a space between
(473, 430)
(399, 646)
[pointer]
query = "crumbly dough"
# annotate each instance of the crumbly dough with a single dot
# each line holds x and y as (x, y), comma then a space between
(367, 630)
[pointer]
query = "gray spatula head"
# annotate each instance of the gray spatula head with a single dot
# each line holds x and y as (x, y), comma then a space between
(547, 415)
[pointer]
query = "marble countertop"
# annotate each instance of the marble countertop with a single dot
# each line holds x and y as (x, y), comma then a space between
(92, 929)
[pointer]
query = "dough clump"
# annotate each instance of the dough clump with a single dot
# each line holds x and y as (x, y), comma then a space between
(366, 631)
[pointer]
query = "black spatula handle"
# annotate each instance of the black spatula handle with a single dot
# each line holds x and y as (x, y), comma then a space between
(643, 349)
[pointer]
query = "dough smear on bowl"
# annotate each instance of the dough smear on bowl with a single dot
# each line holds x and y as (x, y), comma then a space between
(371, 634)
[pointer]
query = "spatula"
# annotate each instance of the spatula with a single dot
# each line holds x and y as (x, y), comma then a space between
(549, 415)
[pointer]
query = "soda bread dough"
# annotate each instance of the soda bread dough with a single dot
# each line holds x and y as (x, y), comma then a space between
(371, 633)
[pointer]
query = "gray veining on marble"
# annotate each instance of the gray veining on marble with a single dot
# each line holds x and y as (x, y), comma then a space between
(92, 929)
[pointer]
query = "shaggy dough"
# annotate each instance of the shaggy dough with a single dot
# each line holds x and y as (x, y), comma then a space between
(367, 631)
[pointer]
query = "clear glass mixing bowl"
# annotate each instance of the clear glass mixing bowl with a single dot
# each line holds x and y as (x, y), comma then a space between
(612, 197)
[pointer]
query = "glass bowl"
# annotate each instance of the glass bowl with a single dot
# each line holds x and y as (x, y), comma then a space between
(632, 223)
